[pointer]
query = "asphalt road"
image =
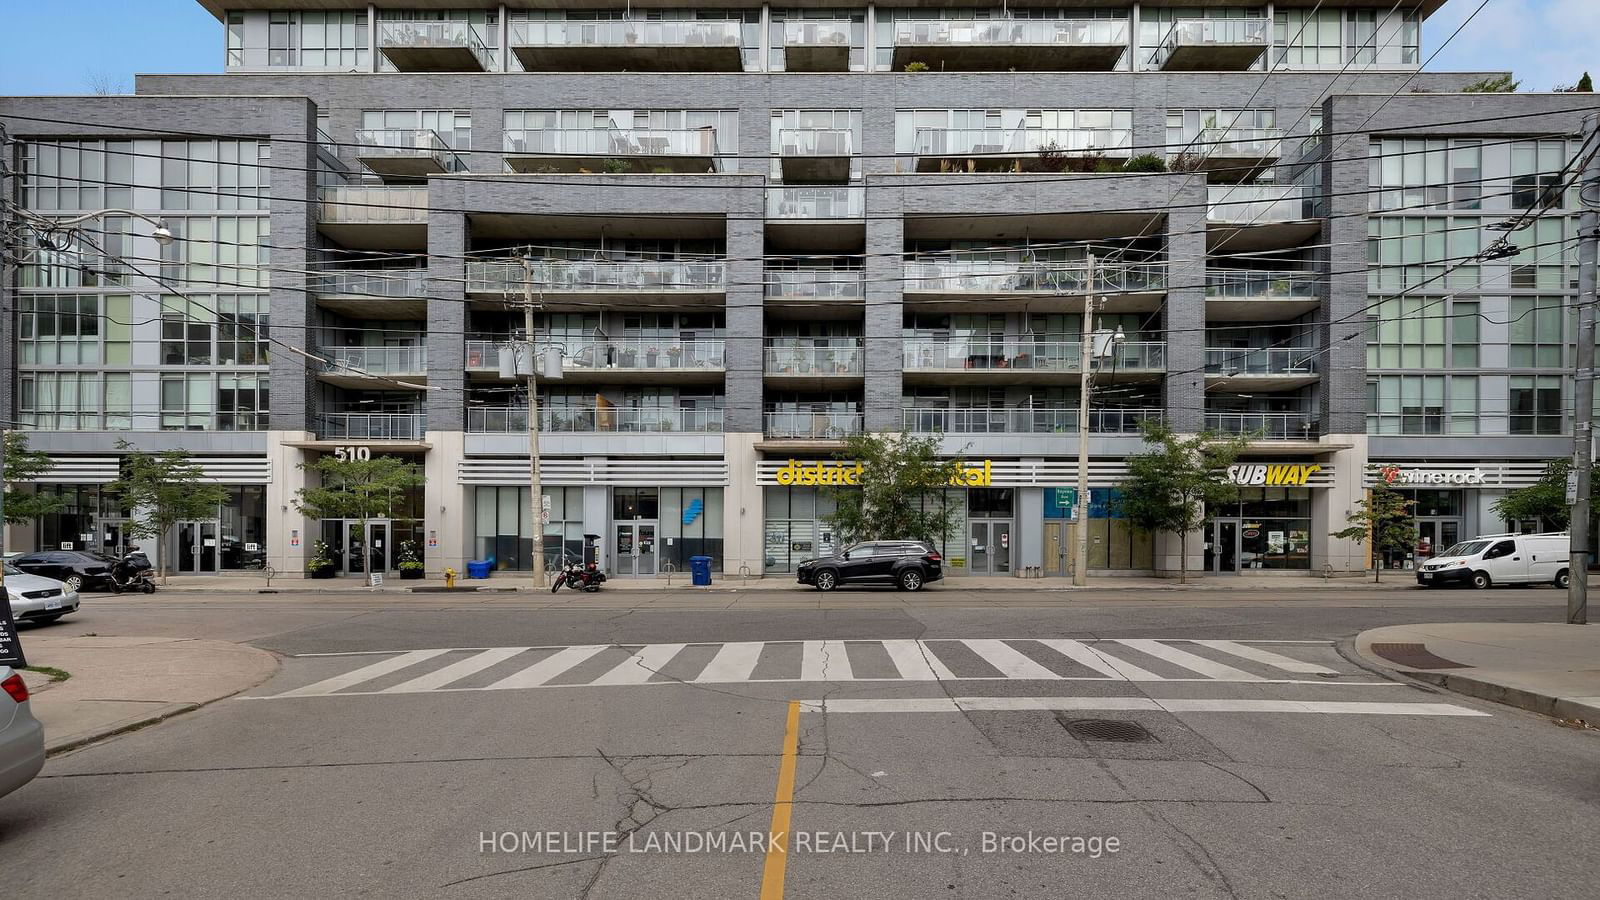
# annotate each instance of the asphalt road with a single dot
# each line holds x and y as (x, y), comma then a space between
(429, 748)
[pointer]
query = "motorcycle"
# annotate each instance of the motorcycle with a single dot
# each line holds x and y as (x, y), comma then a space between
(586, 578)
(133, 573)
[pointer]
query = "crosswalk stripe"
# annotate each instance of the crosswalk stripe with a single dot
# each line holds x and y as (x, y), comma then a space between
(1010, 661)
(1105, 664)
(1190, 661)
(734, 662)
(365, 673)
(825, 661)
(547, 668)
(916, 663)
(1267, 657)
(455, 671)
(638, 668)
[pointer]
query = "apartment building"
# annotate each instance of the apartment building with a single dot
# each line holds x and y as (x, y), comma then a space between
(751, 230)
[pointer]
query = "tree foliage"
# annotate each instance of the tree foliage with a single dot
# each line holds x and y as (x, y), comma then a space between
(1170, 485)
(1494, 84)
(23, 466)
(163, 489)
(1545, 499)
(899, 490)
(1384, 517)
(357, 488)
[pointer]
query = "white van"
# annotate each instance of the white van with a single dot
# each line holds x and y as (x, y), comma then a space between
(1500, 559)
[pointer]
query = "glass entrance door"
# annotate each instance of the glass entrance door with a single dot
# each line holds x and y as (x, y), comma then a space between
(359, 550)
(1222, 556)
(990, 542)
(197, 547)
(634, 551)
(1434, 536)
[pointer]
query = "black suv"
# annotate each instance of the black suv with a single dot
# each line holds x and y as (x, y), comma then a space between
(907, 565)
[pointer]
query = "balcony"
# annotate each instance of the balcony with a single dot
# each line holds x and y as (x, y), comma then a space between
(1268, 425)
(612, 151)
(627, 45)
(1261, 369)
(1015, 149)
(1235, 154)
(1259, 295)
(1213, 45)
(1024, 420)
(1023, 45)
(816, 204)
(374, 217)
(1251, 218)
(811, 366)
(806, 425)
(800, 289)
(405, 152)
(696, 281)
(815, 154)
(816, 46)
(373, 426)
(413, 46)
(373, 293)
(1012, 285)
(594, 419)
(616, 361)
(375, 367)
(1028, 359)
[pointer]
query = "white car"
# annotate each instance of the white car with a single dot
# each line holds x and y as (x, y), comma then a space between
(21, 736)
(1501, 559)
(35, 598)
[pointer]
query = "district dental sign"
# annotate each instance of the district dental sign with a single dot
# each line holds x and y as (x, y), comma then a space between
(1285, 474)
(798, 473)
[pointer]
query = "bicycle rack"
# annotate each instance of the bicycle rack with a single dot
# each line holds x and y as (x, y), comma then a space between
(270, 571)
(668, 567)
(744, 575)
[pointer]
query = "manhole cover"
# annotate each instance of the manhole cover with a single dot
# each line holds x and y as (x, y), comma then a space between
(1108, 730)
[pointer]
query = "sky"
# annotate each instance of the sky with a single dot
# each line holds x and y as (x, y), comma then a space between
(81, 46)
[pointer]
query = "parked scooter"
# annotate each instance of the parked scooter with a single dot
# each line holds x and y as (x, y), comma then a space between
(133, 573)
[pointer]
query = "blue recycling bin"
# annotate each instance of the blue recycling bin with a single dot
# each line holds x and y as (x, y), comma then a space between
(477, 568)
(700, 570)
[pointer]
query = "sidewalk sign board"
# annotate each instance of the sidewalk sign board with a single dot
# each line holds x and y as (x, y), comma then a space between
(10, 645)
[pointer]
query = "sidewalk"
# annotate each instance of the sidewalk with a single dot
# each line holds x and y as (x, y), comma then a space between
(730, 584)
(121, 683)
(1551, 669)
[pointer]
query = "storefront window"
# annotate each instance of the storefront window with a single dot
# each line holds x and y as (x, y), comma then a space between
(503, 528)
(691, 525)
(244, 528)
(1272, 528)
(634, 503)
(990, 503)
(1113, 541)
(795, 529)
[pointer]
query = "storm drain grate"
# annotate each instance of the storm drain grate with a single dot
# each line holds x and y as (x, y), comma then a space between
(1414, 656)
(1115, 730)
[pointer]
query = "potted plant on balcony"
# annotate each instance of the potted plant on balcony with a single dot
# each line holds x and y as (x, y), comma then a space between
(650, 356)
(674, 354)
(320, 565)
(630, 357)
(410, 561)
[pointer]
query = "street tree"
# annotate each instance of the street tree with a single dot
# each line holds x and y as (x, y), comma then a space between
(359, 489)
(898, 492)
(1384, 518)
(22, 466)
(163, 489)
(1170, 485)
(1545, 499)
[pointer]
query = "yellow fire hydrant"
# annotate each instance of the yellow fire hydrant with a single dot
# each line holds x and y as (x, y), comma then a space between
(449, 578)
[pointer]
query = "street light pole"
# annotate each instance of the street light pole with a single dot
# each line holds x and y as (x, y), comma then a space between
(1583, 385)
(1080, 556)
(536, 489)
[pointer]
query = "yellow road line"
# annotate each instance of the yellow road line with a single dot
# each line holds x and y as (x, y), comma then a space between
(782, 808)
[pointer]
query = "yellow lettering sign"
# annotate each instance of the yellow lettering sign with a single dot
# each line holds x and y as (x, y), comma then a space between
(797, 473)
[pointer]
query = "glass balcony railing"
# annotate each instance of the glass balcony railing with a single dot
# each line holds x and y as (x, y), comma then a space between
(816, 284)
(815, 142)
(625, 33)
(359, 361)
(815, 33)
(808, 425)
(1265, 361)
(1279, 426)
(612, 143)
(1005, 142)
(1010, 32)
(809, 359)
(816, 203)
(1191, 33)
(372, 205)
(1255, 204)
(1015, 420)
(1258, 284)
(570, 419)
(410, 34)
(393, 283)
(496, 276)
(1245, 143)
(658, 354)
(380, 426)
(1030, 352)
(956, 274)
(407, 143)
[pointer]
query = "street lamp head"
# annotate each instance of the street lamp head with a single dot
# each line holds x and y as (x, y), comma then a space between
(162, 234)
(1119, 337)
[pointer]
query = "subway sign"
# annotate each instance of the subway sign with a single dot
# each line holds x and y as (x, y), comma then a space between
(842, 473)
(1272, 474)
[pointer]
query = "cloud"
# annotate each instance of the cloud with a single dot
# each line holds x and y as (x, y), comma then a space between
(1545, 42)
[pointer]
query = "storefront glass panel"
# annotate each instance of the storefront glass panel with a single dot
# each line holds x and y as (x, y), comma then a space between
(1269, 528)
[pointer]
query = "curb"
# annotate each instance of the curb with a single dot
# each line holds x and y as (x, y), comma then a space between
(1544, 705)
